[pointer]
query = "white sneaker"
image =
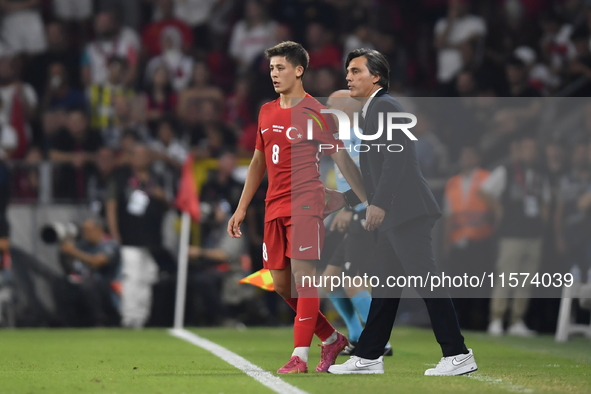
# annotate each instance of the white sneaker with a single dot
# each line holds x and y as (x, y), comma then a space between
(454, 365)
(520, 329)
(495, 328)
(358, 365)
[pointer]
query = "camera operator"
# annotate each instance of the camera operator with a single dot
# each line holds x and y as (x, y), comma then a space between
(93, 264)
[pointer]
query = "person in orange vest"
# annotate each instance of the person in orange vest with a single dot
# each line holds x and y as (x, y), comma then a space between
(469, 228)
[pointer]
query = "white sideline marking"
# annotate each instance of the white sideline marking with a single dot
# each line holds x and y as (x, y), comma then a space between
(514, 388)
(259, 374)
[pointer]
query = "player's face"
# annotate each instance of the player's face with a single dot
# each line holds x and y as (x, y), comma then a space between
(283, 74)
(359, 80)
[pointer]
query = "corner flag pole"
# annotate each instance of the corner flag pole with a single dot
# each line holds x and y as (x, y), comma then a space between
(182, 270)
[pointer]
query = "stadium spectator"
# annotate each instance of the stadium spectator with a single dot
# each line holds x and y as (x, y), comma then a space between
(152, 34)
(211, 136)
(8, 142)
(77, 15)
(555, 44)
(59, 50)
(519, 196)
(580, 65)
(8, 139)
(326, 80)
(432, 154)
(123, 120)
(74, 148)
(466, 84)
(4, 225)
(323, 52)
(101, 96)
(539, 74)
(22, 26)
(98, 182)
(221, 184)
(128, 11)
(93, 266)
(247, 139)
(129, 140)
(72, 10)
(403, 68)
(136, 205)
(572, 224)
(518, 79)
(458, 28)
(468, 230)
(169, 155)
(178, 65)
(19, 104)
(252, 35)
(59, 94)
(200, 88)
(194, 13)
(360, 37)
(237, 108)
(113, 41)
(161, 100)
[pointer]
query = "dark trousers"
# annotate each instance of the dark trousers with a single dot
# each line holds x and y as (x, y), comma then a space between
(472, 305)
(406, 250)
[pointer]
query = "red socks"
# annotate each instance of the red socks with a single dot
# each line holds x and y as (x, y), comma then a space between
(309, 320)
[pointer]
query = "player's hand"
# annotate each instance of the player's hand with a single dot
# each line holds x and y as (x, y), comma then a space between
(234, 224)
(374, 217)
(335, 201)
(341, 221)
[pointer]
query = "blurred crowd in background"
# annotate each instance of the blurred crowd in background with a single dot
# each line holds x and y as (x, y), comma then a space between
(115, 95)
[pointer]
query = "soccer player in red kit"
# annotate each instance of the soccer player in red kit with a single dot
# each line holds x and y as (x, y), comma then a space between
(295, 203)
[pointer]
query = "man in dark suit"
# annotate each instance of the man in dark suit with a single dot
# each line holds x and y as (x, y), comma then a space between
(401, 212)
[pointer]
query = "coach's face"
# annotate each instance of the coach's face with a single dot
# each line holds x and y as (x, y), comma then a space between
(360, 81)
(283, 74)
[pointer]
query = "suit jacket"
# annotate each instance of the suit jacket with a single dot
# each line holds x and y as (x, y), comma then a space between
(393, 180)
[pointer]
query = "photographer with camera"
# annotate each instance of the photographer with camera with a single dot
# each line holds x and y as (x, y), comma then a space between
(92, 264)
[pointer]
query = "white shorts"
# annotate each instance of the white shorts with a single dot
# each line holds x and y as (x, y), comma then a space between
(75, 10)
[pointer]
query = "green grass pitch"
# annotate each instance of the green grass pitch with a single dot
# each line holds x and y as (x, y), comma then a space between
(152, 361)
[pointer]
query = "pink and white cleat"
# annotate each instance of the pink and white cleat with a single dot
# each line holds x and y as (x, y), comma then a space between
(294, 365)
(330, 352)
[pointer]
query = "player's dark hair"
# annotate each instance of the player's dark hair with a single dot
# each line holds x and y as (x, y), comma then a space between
(294, 53)
(377, 64)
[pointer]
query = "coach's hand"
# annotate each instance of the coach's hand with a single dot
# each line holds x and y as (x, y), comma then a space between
(374, 217)
(235, 222)
(335, 201)
(341, 221)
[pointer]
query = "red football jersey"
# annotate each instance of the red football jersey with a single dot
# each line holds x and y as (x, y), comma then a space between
(292, 159)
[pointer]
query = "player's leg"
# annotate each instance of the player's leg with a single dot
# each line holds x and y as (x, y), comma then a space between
(283, 283)
(357, 253)
(306, 238)
(338, 296)
(275, 259)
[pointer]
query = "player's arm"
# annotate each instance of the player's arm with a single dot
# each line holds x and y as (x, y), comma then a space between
(256, 171)
(351, 172)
